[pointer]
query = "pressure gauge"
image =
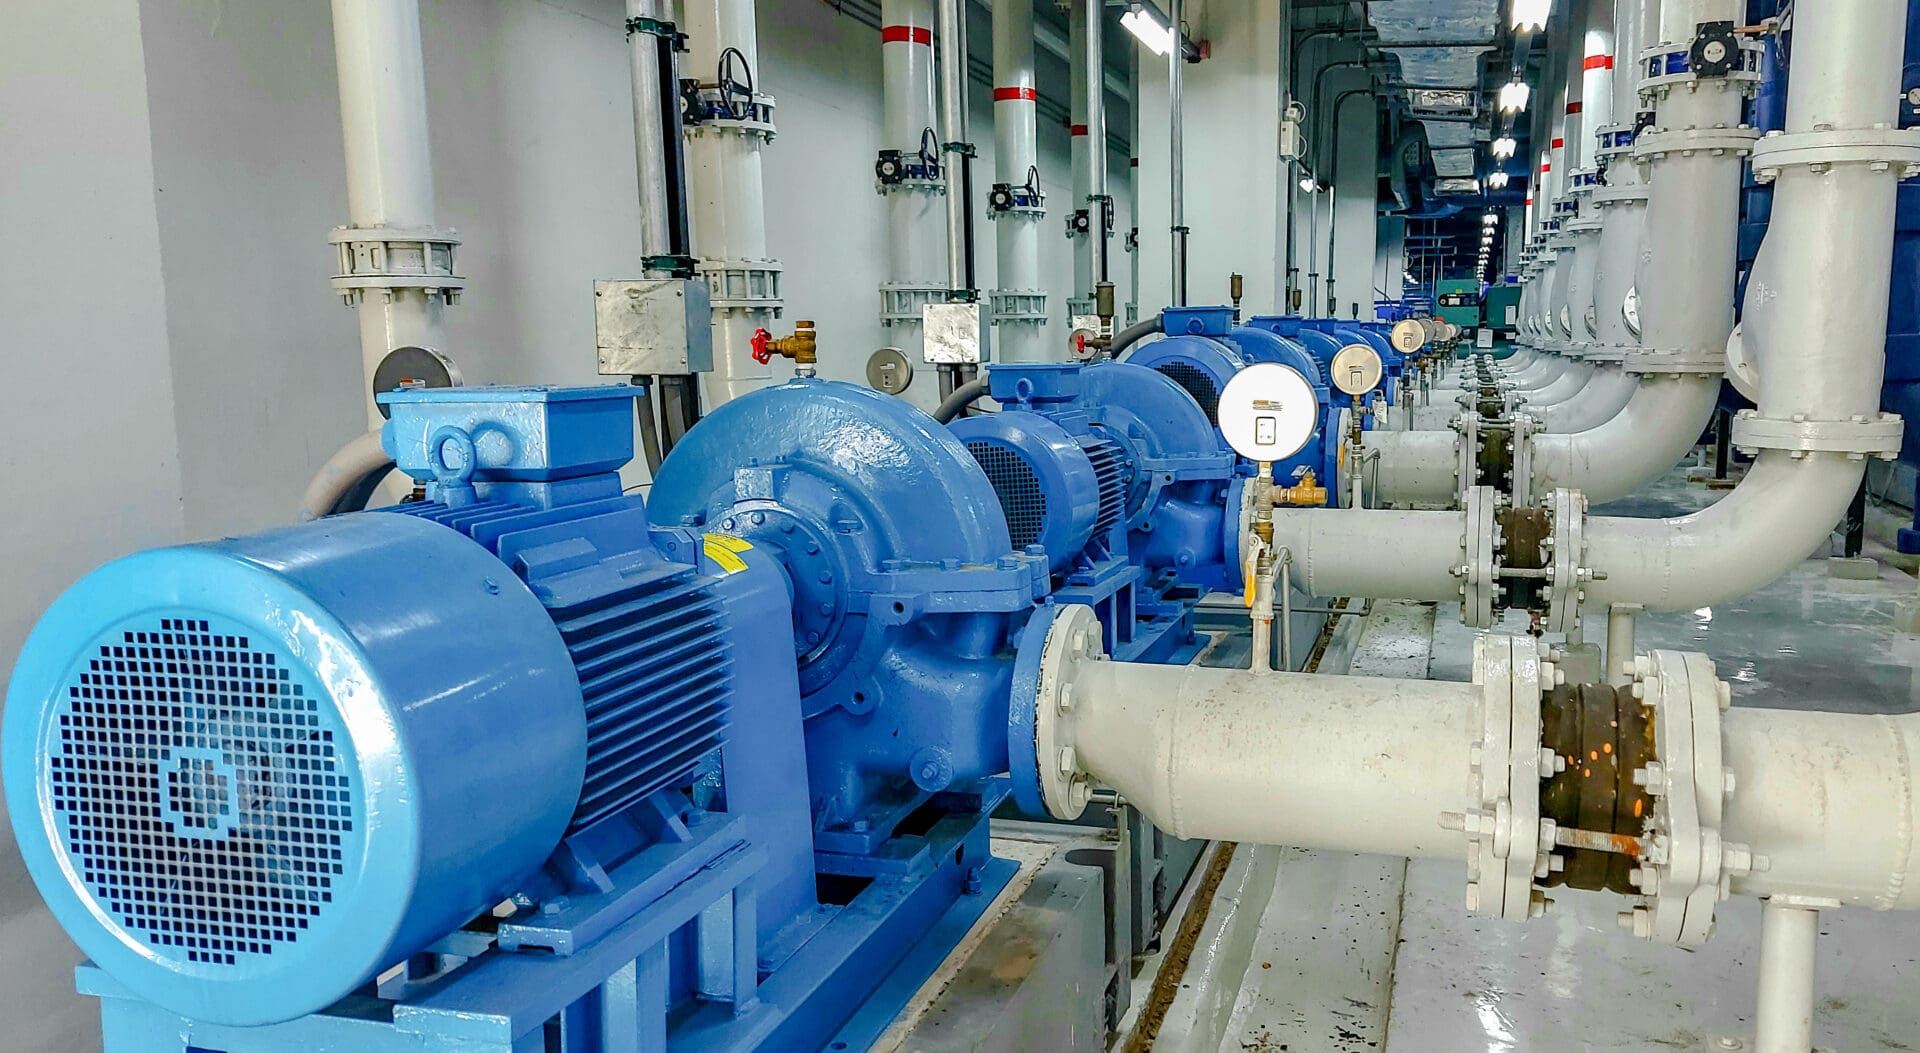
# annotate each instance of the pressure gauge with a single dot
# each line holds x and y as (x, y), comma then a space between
(1407, 336)
(888, 370)
(1356, 369)
(1268, 412)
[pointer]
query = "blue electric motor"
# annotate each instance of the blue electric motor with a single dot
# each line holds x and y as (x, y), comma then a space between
(247, 775)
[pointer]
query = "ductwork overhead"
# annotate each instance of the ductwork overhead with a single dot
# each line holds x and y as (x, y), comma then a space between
(1436, 43)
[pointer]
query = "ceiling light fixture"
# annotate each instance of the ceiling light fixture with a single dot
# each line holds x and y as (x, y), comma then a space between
(1149, 27)
(1504, 147)
(1513, 96)
(1530, 15)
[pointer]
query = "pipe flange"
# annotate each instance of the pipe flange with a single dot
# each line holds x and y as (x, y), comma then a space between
(1629, 194)
(1651, 360)
(1467, 450)
(1073, 636)
(1525, 427)
(1877, 435)
(1656, 143)
(1568, 576)
(1608, 353)
(1685, 868)
(1883, 149)
(391, 259)
(1509, 844)
(1479, 588)
(743, 284)
(1018, 305)
(1583, 225)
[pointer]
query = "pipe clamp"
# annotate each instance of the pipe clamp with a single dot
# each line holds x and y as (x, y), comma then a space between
(394, 258)
(1876, 435)
(1893, 150)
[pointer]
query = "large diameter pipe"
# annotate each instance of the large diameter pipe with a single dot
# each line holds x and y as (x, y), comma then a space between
(383, 122)
(1398, 554)
(1828, 799)
(1415, 467)
(1343, 764)
(727, 196)
(916, 236)
(1016, 163)
(1656, 428)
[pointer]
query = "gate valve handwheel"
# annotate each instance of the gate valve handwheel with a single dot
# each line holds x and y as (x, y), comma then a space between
(761, 352)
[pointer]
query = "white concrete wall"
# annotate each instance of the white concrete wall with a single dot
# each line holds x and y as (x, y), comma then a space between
(176, 362)
(1235, 202)
(1355, 211)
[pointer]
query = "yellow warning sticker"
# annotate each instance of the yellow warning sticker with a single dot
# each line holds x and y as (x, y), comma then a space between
(725, 549)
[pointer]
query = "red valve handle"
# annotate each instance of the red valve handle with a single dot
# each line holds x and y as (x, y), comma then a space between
(761, 352)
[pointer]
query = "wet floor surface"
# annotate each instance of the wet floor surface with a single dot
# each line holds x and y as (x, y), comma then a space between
(1575, 981)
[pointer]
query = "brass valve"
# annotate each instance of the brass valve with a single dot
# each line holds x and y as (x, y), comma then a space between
(799, 347)
(1307, 491)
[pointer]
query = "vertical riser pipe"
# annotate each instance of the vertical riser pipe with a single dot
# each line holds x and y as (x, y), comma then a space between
(1016, 158)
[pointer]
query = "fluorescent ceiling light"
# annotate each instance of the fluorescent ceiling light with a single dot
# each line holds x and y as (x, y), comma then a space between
(1513, 96)
(1307, 184)
(1504, 147)
(1149, 27)
(1490, 219)
(1497, 179)
(1530, 15)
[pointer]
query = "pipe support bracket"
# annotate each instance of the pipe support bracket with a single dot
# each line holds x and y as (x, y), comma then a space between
(1863, 436)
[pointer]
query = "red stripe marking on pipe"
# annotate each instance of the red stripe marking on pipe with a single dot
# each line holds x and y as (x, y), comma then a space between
(1546, 166)
(1599, 62)
(1078, 129)
(1574, 106)
(1559, 143)
(906, 35)
(1014, 94)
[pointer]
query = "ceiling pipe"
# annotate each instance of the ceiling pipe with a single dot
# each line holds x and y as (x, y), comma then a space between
(1176, 148)
(1080, 232)
(1098, 202)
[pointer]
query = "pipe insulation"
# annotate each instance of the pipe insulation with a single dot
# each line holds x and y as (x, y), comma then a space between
(1020, 303)
(727, 201)
(390, 207)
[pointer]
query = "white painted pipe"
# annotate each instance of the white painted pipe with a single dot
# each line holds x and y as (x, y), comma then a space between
(1828, 799)
(1838, 225)
(916, 233)
(1788, 938)
(726, 199)
(1415, 467)
(1343, 764)
(1604, 397)
(1656, 428)
(344, 471)
(383, 122)
(1596, 78)
(1015, 160)
(1340, 553)
(1620, 652)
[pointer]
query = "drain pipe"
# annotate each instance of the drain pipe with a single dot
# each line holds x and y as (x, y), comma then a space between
(733, 121)
(1099, 203)
(1079, 228)
(908, 172)
(958, 148)
(1177, 147)
(394, 264)
(1015, 203)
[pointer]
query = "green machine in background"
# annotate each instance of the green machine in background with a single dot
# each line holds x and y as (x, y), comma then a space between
(1502, 308)
(1457, 300)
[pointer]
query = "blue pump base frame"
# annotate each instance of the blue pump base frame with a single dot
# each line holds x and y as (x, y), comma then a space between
(611, 996)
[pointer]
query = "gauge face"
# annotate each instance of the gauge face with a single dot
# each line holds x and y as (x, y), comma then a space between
(888, 370)
(1268, 412)
(1407, 336)
(1356, 369)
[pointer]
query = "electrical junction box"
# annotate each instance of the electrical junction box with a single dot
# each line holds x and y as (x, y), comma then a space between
(652, 326)
(955, 334)
(1290, 121)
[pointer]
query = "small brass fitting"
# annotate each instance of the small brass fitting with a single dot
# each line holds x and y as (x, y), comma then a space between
(1307, 491)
